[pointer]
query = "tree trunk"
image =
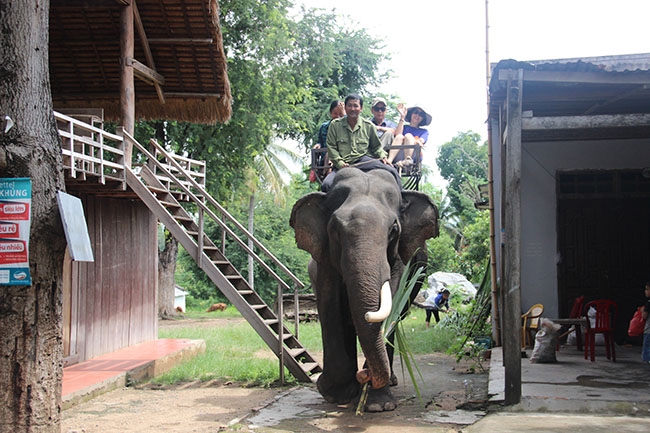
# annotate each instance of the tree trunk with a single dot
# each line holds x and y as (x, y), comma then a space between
(166, 281)
(31, 344)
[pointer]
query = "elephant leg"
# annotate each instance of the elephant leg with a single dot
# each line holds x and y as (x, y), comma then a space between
(380, 400)
(337, 383)
(390, 350)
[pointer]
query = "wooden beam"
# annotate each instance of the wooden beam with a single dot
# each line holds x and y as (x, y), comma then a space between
(579, 77)
(141, 95)
(147, 53)
(512, 240)
(586, 122)
(127, 85)
(189, 41)
(145, 73)
(194, 95)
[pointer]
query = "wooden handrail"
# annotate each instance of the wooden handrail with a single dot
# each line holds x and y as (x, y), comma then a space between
(90, 150)
(183, 185)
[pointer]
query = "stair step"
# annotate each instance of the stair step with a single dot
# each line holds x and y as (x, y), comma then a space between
(270, 321)
(309, 366)
(157, 190)
(183, 218)
(296, 352)
(245, 292)
(258, 307)
(220, 262)
(234, 277)
(169, 204)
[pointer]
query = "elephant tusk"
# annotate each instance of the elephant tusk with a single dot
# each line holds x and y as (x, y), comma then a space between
(385, 305)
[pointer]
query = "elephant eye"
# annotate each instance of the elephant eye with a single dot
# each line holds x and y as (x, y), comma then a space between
(394, 229)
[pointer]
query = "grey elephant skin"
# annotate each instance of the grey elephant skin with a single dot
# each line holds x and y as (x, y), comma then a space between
(361, 234)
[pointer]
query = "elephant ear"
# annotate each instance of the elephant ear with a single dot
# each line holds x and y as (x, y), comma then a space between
(419, 220)
(309, 221)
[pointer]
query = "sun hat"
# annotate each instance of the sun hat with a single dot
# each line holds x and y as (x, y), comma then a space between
(427, 117)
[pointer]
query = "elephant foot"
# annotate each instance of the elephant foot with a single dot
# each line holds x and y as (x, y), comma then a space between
(380, 400)
(338, 393)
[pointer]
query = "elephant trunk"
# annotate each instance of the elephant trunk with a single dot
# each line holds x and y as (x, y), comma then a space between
(385, 305)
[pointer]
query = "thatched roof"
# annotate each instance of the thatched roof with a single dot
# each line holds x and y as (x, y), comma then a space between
(182, 45)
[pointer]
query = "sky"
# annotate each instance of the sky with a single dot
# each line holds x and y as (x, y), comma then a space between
(438, 47)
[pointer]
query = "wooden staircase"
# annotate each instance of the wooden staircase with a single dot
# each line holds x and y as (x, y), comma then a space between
(163, 184)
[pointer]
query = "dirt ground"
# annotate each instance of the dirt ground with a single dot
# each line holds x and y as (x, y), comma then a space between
(452, 397)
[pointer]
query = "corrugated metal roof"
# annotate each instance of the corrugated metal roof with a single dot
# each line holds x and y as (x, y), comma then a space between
(607, 85)
(619, 63)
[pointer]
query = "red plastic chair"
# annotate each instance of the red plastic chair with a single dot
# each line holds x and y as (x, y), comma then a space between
(605, 318)
(576, 308)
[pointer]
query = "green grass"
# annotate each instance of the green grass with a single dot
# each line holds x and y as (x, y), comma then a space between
(422, 340)
(201, 314)
(235, 352)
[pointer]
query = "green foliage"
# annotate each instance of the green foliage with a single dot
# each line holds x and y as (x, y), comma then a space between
(473, 325)
(442, 254)
(340, 57)
(463, 163)
(476, 248)
(271, 229)
(463, 244)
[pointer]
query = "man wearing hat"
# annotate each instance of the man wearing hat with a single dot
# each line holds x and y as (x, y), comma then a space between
(412, 134)
(386, 129)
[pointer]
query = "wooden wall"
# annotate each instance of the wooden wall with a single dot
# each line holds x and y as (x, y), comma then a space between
(113, 301)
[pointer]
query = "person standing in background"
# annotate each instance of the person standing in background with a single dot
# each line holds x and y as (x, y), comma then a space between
(435, 304)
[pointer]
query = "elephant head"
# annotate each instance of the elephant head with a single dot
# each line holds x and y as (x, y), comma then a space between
(360, 236)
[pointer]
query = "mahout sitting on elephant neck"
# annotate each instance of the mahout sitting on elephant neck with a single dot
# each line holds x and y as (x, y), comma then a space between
(360, 235)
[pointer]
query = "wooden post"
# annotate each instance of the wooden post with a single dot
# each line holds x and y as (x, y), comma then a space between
(493, 125)
(512, 250)
(127, 84)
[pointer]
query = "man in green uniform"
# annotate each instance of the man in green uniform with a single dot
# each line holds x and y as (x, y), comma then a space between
(352, 141)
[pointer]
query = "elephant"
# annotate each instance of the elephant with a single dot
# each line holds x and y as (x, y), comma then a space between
(360, 234)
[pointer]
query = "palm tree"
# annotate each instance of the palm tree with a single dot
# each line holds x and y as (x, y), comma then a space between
(267, 173)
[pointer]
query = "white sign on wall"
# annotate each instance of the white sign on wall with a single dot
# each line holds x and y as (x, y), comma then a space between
(74, 225)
